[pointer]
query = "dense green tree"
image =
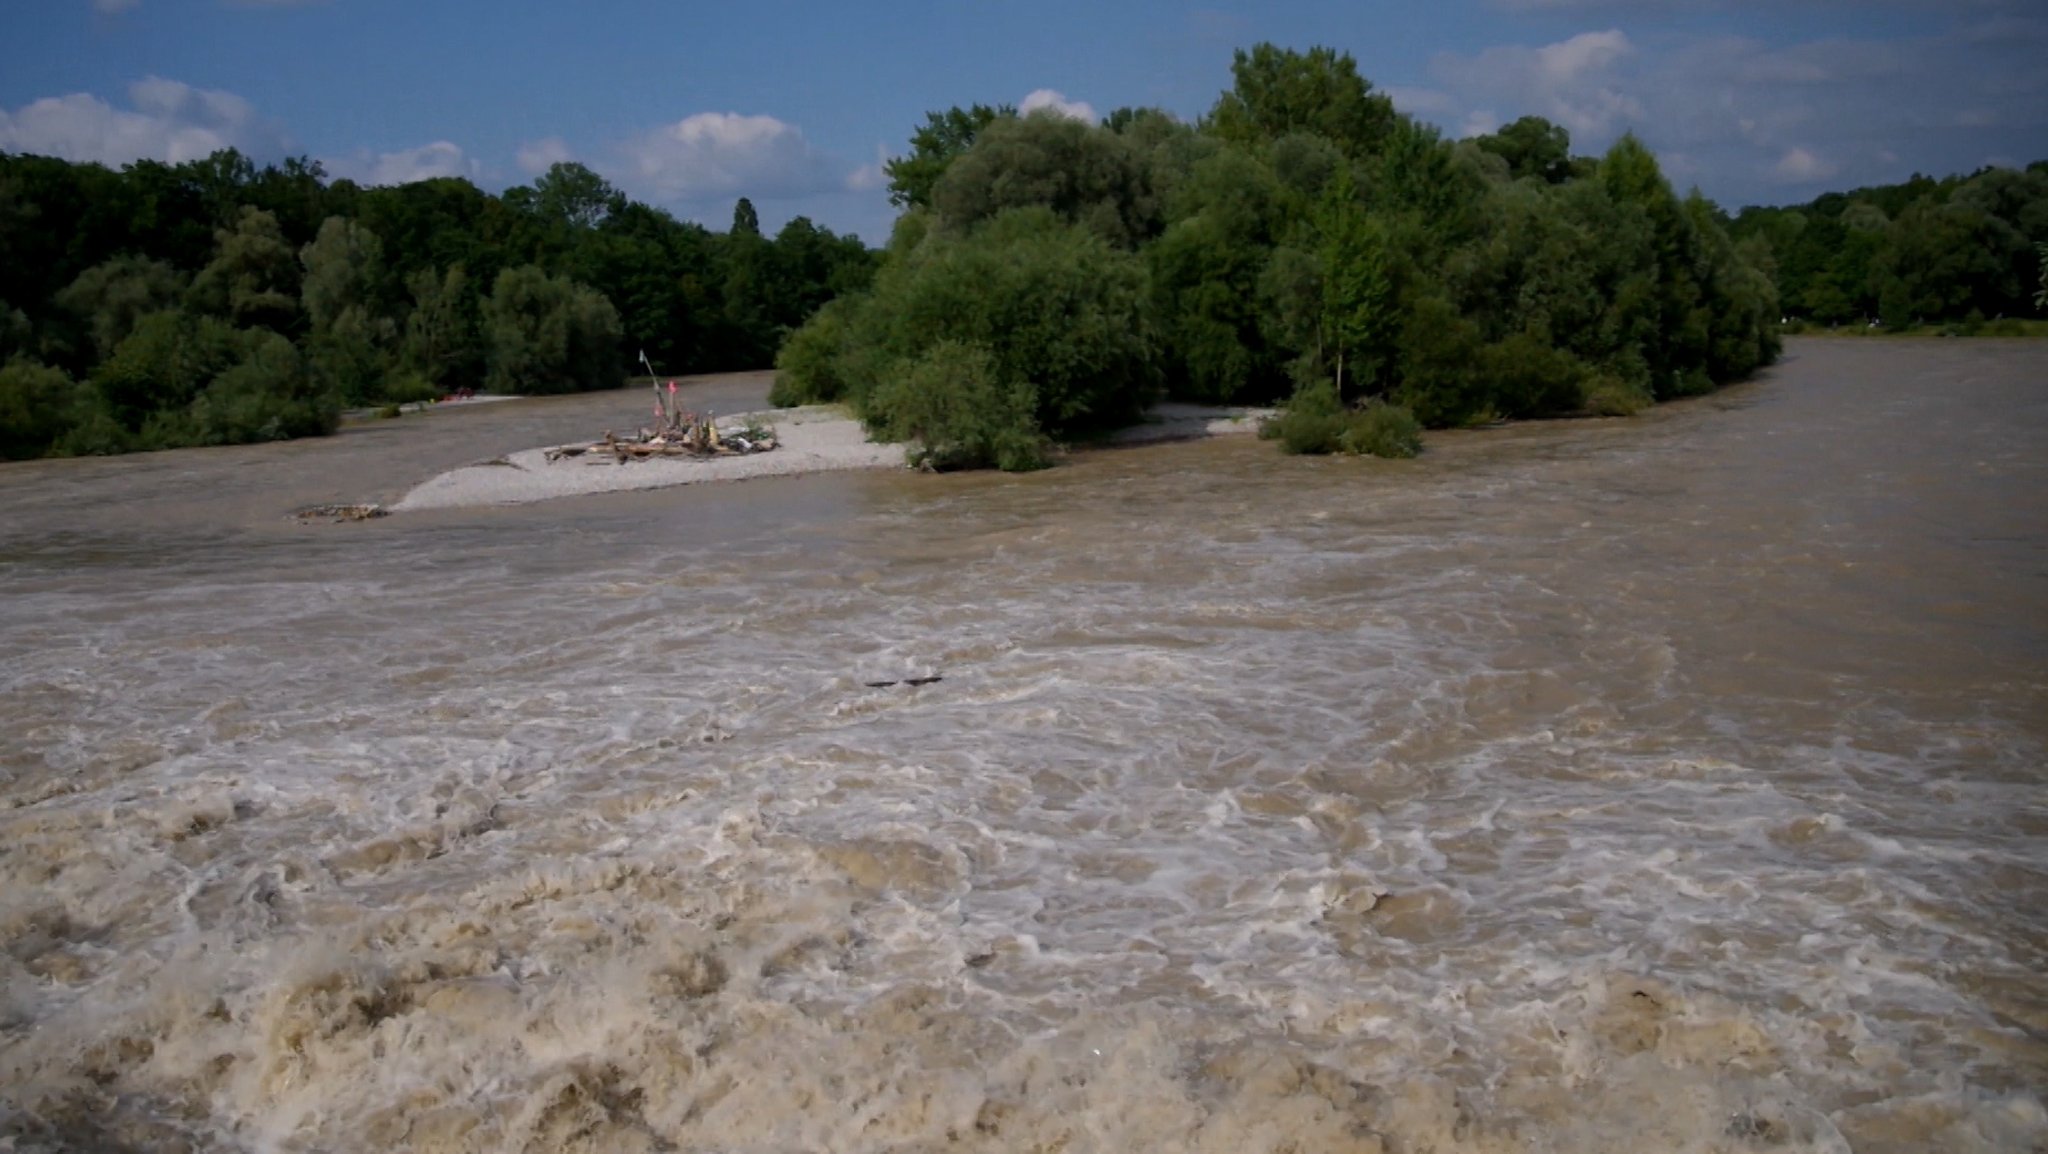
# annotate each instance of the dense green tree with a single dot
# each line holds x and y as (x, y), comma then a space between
(745, 221)
(1277, 91)
(351, 341)
(1944, 260)
(933, 147)
(549, 334)
(343, 269)
(269, 394)
(1358, 317)
(1056, 310)
(253, 278)
(574, 197)
(163, 365)
(15, 332)
(961, 409)
(441, 341)
(1533, 148)
(112, 295)
(1085, 173)
(363, 282)
(1205, 276)
(38, 405)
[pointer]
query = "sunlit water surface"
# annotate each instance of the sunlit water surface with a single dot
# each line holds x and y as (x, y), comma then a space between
(1663, 784)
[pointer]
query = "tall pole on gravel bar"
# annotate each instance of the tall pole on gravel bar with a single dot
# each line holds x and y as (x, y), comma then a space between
(661, 413)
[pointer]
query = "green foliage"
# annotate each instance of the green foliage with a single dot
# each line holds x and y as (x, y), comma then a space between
(112, 295)
(1526, 376)
(807, 368)
(181, 379)
(1357, 314)
(1608, 395)
(1205, 273)
(1926, 250)
(549, 334)
(408, 387)
(343, 267)
(253, 278)
(38, 406)
(1439, 351)
(15, 332)
(1315, 421)
(1277, 91)
(1052, 303)
(572, 196)
(1087, 174)
(1379, 429)
(745, 221)
(378, 287)
(933, 148)
(1533, 148)
(963, 412)
(349, 354)
(267, 396)
(441, 343)
(163, 365)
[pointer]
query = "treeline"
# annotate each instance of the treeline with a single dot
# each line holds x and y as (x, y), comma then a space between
(1304, 241)
(215, 302)
(1960, 250)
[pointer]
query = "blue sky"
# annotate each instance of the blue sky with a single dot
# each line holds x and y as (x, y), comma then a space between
(794, 103)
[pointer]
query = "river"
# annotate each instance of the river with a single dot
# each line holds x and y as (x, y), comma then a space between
(1660, 784)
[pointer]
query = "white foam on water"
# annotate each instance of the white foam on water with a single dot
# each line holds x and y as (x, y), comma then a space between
(1252, 810)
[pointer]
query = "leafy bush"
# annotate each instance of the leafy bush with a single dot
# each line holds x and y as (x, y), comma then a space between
(409, 387)
(549, 334)
(1315, 422)
(807, 368)
(1608, 395)
(163, 364)
(269, 395)
(38, 406)
(1526, 376)
(1381, 430)
(1052, 304)
(955, 403)
(1311, 423)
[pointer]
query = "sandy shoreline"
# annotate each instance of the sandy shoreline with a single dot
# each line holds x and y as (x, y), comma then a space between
(817, 439)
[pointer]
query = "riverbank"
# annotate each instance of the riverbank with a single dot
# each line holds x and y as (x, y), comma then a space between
(819, 439)
(813, 439)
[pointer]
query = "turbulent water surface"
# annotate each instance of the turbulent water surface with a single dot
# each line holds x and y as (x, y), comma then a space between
(1664, 784)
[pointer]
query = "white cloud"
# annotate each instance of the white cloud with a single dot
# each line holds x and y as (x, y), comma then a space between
(441, 158)
(1801, 166)
(1047, 98)
(718, 154)
(1581, 83)
(167, 120)
(1479, 122)
(1763, 121)
(1420, 101)
(869, 177)
(537, 156)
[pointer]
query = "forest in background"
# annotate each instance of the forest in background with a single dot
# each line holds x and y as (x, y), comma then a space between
(1303, 242)
(216, 302)
(1956, 252)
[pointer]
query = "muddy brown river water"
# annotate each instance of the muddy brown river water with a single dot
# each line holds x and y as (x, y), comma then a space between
(1664, 784)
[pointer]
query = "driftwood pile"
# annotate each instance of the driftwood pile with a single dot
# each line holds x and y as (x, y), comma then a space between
(678, 432)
